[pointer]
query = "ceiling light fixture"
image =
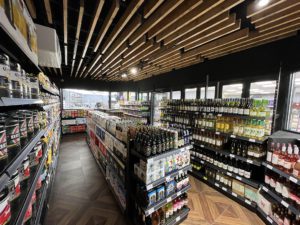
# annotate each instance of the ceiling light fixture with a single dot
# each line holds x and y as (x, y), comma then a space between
(123, 75)
(134, 70)
(263, 3)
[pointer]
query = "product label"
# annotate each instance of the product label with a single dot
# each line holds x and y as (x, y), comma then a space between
(23, 129)
(275, 159)
(278, 187)
(272, 183)
(288, 165)
(269, 156)
(3, 145)
(241, 111)
(267, 179)
(13, 135)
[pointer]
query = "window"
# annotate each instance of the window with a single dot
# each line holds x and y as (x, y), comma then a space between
(191, 93)
(84, 99)
(210, 92)
(117, 98)
(143, 96)
(265, 90)
(131, 96)
(176, 94)
(232, 91)
(294, 107)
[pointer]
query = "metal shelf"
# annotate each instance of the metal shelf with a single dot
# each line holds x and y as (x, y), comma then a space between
(167, 178)
(31, 191)
(227, 153)
(149, 210)
(41, 205)
(49, 106)
(231, 194)
(281, 173)
(5, 102)
(137, 116)
(230, 174)
(160, 156)
(50, 90)
(266, 218)
(280, 200)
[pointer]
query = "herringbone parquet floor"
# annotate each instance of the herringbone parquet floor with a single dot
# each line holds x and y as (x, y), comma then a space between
(80, 195)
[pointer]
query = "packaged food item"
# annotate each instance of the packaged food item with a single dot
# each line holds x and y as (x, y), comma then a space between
(24, 172)
(35, 91)
(12, 135)
(14, 186)
(4, 76)
(3, 148)
(152, 197)
(15, 76)
(170, 187)
(36, 123)
(23, 128)
(24, 84)
(5, 212)
(30, 126)
(160, 193)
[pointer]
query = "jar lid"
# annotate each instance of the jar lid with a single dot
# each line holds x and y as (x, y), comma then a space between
(16, 67)
(4, 59)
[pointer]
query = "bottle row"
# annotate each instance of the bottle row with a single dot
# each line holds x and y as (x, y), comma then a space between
(236, 106)
(289, 191)
(17, 128)
(283, 216)
(151, 141)
(240, 168)
(285, 157)
(71, 113)
(161, 192)
(218, 141)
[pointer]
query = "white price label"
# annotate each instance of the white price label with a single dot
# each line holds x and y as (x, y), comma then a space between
(293, 179)
(234, 194)
(224, 189)
(150, 211)
(229, 174)
(248, 202)
(168, 178)
(169, 199)
(269, 166)
(177, 218)
(269, 219)
(285, 204)
(180, 172)
(238, 178)
(252, 140)
(217, 133)
(202, 146)
(250, 161)
(202, 161)
(178, 193)
(232, 136)
(265, 189)
(150, 186)
(219, 115)
(192, 157)
(231, 155)
(217, 184)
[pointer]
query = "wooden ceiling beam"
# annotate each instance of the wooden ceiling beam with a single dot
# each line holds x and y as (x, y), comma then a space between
(107, 22)
(274, 10)
(65, 10)
(286, 15)
(194, 14)
(211, 36)
(166, 8)
(130, 11)
(201, 20)
(150, 7)
(173, 17)
(31, 8)
(129, 30)
(48, 11)
(254, 8)
(116, 55)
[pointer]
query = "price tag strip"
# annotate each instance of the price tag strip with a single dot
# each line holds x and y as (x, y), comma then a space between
(284, 203)
(293, 179)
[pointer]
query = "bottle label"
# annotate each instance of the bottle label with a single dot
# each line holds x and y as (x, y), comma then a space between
(272, 183)
(267, 179)
(241, 111)
(287, 165)
(275, 159)
(235, 110)
(281, 161)
(285, 191)
(296, 172)
(286, 221)
(269, 156)
(278, 187)
(246, 112)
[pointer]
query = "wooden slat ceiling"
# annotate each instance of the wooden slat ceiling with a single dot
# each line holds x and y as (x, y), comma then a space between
(101, 39)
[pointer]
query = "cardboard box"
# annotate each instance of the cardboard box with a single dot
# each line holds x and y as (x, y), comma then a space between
(238, 188)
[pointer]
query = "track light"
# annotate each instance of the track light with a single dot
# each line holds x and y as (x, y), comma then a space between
(124, 75)
(134, 70)
(263, 3)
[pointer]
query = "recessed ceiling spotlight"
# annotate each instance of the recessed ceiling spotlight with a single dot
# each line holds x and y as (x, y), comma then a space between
(123, 75)
(134, 70)
(263, 3)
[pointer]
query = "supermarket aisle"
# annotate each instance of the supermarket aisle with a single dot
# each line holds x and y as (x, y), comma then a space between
(209, 207)
(80, 194)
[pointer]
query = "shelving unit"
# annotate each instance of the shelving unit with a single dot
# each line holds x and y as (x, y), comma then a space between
(138, 110)
(6, 102)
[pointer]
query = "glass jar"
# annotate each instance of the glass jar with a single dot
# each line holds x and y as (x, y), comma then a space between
(24, 172)
(30, 124)
(36, 121)
(24, 84)
(16, 82)
(3, 148)
(5, 212)
(35, 91)
(14, 186)
(5, 84)
(23, 128)
(28, 86)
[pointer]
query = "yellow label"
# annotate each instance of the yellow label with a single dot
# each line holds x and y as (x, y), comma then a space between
(2, 3)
